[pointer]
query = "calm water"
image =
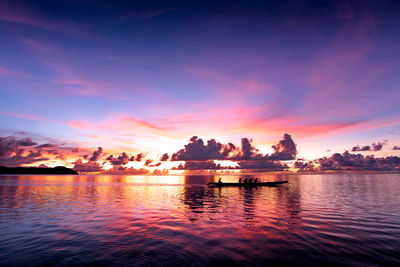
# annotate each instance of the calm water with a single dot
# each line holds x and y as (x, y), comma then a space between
(153, 220)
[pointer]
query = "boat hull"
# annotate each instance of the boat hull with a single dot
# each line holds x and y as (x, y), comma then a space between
(247, 185)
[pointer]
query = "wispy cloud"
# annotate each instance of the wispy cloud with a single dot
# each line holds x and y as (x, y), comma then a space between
(29, 15)
(26, 116)
(145, 14)
(118, 124)
(39, 46)
(9, 73)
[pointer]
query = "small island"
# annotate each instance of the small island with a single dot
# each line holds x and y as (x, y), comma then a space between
(36, 170)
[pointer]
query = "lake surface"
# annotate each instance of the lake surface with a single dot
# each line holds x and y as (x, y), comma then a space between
(346, 219)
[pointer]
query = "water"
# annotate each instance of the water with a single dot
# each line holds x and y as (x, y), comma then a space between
(347, 219)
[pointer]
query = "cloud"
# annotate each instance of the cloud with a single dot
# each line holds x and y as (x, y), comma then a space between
(374, 147)
(246, 164)
(125, 170)
(164, 157)
(358, 148)
(199, 165)
(348, 161)
(90, 166)
(378, 146)
(396, 148)
(10, 144)
(248, 151)
(52, 151)
(7, 73)
(121, 160)
(39, 46)
(262, 165)
(146, 14)
(26, 142)
(47, 145)
(138, 157)
(20, 133)
(197, 150)
(285, 149)
(25, 15)
(13, 151)
(20, 158)
(20, 151)
(96, 154)
(60, 156)
(154, 164)
(32, 157)
(4, 72)
(198, 156)
(149, 162)
(118, 124)
(304, 166)
(26, 116)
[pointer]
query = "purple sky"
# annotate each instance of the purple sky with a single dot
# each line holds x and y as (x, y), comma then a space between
(146, 76)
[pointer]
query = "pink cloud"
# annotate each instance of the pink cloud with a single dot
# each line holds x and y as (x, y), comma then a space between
(39, 46)
(119, 124)
(147, 14)
(72, 80)
(26, 116)
(16, 13)
(5, 72)
(227, 86)
(342, 76)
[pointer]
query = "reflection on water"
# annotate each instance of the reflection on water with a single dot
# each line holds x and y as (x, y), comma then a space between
(170, 220)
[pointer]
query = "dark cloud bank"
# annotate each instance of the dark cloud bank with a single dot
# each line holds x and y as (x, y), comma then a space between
(213, 150)
(350, 162)
(200, 155)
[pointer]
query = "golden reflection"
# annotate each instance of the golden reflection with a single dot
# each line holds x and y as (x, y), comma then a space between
(121, 199)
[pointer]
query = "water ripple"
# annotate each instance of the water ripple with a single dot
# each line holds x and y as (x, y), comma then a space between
(312, 220)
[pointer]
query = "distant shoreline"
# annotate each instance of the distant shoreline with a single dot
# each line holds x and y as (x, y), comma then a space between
(67, 171)
(37, 170)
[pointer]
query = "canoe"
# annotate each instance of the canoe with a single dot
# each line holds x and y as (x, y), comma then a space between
(248, 185)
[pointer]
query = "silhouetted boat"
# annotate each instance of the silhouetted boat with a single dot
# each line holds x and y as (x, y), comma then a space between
(248, 185)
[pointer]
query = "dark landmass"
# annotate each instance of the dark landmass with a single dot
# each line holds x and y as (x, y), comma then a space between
(36, 170)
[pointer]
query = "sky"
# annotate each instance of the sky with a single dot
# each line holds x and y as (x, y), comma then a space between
(147, 76)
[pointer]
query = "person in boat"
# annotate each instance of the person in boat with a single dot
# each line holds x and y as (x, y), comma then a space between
(240, 180)
(219, 181)
(245, 181)
(256, 180)
(250, 180)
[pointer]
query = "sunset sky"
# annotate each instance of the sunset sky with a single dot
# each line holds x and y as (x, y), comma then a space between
(146, 76)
